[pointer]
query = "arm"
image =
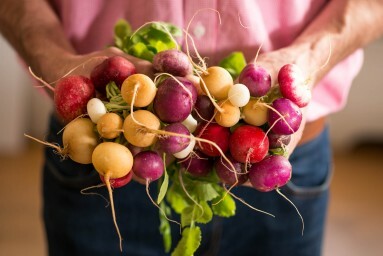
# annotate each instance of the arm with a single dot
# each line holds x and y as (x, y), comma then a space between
(35, 32)
(340, 29)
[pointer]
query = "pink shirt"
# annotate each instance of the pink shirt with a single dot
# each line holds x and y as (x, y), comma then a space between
(244, 25)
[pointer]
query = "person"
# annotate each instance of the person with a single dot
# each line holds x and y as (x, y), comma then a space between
(323, 37)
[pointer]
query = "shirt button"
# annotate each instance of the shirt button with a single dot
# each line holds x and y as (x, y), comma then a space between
(199, 31)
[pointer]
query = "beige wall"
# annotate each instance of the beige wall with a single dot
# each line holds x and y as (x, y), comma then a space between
(22, 108)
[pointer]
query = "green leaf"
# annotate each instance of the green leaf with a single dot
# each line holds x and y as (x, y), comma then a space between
(147, 40)
(174, 30)
(234, 63)
(189, 243)
(122, 31)
(165, 229)
(201, 213)
(226, 206)
(204, 191)
(177, 198)
(140, 50)
(164, 185)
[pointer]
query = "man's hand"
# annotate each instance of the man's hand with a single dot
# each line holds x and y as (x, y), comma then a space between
(71, 64)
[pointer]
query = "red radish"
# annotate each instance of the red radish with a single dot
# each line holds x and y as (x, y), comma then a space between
(227, 175)
(215, 133)
(293, 85)
(71, 96)
(174, 144)
(284, 116)
(248, 144)
(148, 165)
(115, 68)
(172, 61)
(175, 99)
(197, 164)
(118, 182)
(272, 172)
(256, 78)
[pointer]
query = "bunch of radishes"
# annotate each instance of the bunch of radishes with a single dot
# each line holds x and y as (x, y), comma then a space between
(191, 119)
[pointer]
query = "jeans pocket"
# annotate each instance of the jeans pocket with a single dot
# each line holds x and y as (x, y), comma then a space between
(310, 191)
(312, 167)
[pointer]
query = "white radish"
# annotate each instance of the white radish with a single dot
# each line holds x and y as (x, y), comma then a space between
(239, 95)
(95, 108)
(185, 152)
(190, 123)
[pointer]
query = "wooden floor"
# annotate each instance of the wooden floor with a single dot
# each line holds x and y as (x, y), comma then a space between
(355, 223)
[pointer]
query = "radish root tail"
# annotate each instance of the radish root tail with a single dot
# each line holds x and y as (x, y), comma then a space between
(285, 197)
(107, 183)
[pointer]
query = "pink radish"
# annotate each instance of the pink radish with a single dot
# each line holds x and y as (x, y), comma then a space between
(293, 85)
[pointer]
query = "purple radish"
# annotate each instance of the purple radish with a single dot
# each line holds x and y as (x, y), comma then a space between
(172, 61)
(174, 102)
(203, 109)
(293, 85)
(173, 144)
(197, 164)
(256, 78)
(285, 117)
(148, 165)
(278, 140)
(227, 175)
(272, 172)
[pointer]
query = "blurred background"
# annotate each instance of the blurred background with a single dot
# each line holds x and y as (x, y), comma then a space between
(355, 222)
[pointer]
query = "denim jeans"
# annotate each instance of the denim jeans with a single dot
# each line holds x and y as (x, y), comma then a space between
(78, 224)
